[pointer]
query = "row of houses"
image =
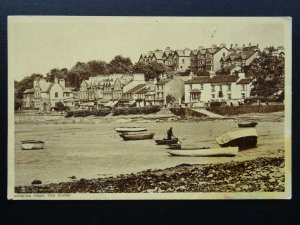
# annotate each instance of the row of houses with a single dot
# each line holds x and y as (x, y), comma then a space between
(125, 90)
(214, 58)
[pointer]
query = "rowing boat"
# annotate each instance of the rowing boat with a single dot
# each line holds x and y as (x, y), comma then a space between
(32, 144)
(167, 141)
(137, 136)
(204, 152)
(247, 124)
(242, 138)
(130, 129)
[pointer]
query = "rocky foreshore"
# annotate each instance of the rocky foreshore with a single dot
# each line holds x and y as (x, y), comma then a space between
(265, 174)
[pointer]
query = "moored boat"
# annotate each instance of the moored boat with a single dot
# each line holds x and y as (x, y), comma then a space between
(242, 138)
(205, 152)
(130, 129)
(137, 136)
(247, 124)
(166, 141)
(32, 144)
(179, 147)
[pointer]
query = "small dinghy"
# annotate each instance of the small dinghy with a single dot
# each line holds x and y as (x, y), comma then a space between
(242, 138)
(32, 145)
(137, 136)
(167, 141)
(205, 152)
(247, 124)
(130, 129)
(179, 147)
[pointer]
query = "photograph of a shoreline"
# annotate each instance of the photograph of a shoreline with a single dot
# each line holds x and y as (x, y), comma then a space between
(113, 105)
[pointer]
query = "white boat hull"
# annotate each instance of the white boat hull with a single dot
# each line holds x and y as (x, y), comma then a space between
(230, 151)
(32, 146)
(242, 138)
(130, 129)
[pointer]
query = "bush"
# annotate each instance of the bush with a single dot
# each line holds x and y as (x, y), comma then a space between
(84, 113)
(234, 110)
(135, 111)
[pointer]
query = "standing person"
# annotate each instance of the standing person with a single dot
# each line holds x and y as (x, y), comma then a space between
(170, 133)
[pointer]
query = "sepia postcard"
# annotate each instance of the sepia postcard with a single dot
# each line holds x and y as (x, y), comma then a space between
(104, 108)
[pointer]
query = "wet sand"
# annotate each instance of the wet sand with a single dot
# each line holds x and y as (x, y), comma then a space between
(95, 150)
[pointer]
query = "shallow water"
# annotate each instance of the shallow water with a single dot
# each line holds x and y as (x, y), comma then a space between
(96, 150)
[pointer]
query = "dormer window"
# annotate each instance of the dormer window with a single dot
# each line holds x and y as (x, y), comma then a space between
(56, 94)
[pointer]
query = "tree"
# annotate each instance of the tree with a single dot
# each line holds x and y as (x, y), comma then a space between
(170, 99)
(154, 69)
(56, 72)
(120, 64)
(97, 67)
(78, 73)
(25, 83)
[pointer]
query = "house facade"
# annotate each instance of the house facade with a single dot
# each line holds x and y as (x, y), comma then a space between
(216, 88)
(45, 95)
(168, 86)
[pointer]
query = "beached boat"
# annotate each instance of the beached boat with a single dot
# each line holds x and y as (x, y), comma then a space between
(166, 141)
(179, 147)
(130, 129)
(247, 124)
(137, 136)
(205, 152)
(242, 138)
(32, 144)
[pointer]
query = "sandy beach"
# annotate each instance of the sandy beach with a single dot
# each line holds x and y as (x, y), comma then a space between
(89, 148)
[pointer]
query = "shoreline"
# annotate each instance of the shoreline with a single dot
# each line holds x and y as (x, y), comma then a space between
(156, 117)
(263, 174)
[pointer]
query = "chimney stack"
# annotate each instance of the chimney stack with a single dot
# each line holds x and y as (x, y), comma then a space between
(62, 82)
(55, 80)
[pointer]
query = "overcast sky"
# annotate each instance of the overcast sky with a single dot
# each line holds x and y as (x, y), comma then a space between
(38, 44)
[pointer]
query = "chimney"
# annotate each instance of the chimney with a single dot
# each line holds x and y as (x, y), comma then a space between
(55, 80)
(244, 45)
(212, 74)
(62, 82)
(250, 44)
(231, 45)
(35, 82)
(167, 49)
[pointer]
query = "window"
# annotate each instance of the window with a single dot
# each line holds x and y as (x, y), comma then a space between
(220, 87)
(220, 94)
(201, 86)
(213, 96)
(223, 54)
(243, 95)
(243, 87)
(182, 61)
(67, 94)
(56, 94)
(191, 86)
(212, 88)
(229, 96)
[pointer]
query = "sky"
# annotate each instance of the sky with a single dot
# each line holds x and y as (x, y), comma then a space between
(39, 44)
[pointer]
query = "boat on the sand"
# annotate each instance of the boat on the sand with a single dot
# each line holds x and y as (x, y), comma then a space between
(137, 136)
(205, 152)
(179, 147)
(32, 144)
(166, 141)
(247, 124)
(130, 129)
(242, 138)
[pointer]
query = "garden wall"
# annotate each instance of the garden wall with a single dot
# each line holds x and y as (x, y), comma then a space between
(242, 109)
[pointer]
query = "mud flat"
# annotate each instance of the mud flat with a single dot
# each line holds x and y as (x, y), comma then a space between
(263, 174)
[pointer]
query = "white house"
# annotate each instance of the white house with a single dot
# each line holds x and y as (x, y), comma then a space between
(216, 88)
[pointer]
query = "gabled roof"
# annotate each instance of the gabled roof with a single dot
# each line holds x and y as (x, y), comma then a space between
(134, 89)
(246, 54)
(244, 81)
(194, 52)
(164, 81)
(202, 51)
(126, 79)
(158, 55)
(31, 90)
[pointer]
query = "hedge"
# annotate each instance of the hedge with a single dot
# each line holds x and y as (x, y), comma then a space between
(135, 111)
(234, 110)
(83, 113)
